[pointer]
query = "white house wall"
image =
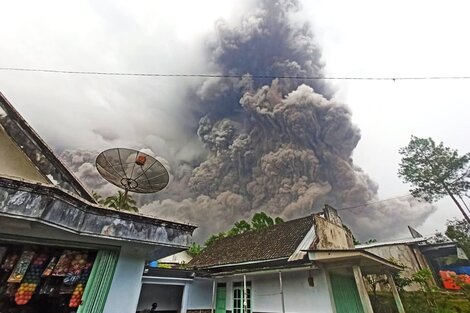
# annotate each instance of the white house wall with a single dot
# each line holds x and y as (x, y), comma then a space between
(298, 295)
(200, 294)
(124, 293)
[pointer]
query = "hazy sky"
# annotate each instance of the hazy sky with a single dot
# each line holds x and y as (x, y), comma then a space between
(358, 38)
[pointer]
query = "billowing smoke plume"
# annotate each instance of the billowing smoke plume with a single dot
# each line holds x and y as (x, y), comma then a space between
(283, 146)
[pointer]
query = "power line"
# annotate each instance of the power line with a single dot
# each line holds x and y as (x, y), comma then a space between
(17, 69)
(374, 202)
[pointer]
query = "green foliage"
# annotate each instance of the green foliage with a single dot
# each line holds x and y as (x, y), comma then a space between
(194, 249)
(239, 228)
(400, 281)
(119, 202)
(434, 170)
(415, 302)
(459, 231)
(368, 242)
(423, 278)
(213, 238)
(98, 198)
(439, 238)
(259, 221)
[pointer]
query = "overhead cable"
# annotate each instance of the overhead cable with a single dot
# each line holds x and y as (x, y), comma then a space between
(254, 76)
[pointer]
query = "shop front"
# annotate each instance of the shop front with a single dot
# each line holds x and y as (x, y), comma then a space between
(60, 251)
(61, 254)
(44, 278)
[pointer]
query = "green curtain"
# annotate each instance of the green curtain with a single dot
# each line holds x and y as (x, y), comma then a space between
(99, 282)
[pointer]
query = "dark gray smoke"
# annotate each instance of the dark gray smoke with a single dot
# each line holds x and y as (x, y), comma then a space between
(283, 146)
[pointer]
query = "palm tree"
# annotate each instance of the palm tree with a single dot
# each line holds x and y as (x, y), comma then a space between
(98, 198)
(121, 201)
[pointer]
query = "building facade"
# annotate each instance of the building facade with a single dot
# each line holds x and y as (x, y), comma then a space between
(59, 250)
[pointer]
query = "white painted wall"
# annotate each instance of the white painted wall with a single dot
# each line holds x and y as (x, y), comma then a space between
(200, 294)
(125, 289)
(298, 295)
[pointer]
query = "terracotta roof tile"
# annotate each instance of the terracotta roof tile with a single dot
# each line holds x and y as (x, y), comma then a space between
(274, 242)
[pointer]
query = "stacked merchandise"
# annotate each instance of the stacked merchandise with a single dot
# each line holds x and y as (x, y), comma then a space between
(31, 280)
(33, 275)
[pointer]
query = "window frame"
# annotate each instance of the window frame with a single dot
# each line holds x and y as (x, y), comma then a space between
(237, 288)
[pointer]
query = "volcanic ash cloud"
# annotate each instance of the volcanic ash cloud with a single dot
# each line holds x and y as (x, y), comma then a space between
(283, 146)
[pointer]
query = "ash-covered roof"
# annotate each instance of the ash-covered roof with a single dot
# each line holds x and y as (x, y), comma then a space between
(274, 242)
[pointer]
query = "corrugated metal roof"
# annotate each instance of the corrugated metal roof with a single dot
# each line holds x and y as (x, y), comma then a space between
(393, 242)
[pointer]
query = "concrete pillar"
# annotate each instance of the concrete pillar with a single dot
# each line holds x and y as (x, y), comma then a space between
(361, 288)
(214, 291)
(282, 293)
(395, 293)
(184, 299)
(124, 293)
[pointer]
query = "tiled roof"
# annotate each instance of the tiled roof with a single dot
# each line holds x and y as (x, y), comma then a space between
(274, 242)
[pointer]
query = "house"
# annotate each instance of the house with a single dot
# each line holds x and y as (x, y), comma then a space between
(303, 265)
(404, 252)
(59, 250)
(418, 253)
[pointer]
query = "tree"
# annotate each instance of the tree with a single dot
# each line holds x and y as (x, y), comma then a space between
(213, 238)
(435, 171)
(99, 198)
(239, 227)
(259, 221)
(121, 202)
(194, 249)
(459, 231)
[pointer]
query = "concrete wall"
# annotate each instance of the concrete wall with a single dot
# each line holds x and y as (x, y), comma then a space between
(402, 254)
(298, 295)
(200, 294)
(124, 293)
(14, 163)
(330, 235)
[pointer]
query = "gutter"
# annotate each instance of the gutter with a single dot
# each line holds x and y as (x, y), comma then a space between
(268, 270)
(240, 263)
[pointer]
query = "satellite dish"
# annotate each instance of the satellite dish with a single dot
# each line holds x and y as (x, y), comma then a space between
(132, 170)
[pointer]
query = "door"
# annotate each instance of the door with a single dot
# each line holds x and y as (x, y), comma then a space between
(221, 297)
(345, 294)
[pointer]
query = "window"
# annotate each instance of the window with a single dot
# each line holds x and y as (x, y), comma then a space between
(238, 297)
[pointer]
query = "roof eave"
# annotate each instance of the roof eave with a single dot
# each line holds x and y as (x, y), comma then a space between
(347, 257)
(61, 209)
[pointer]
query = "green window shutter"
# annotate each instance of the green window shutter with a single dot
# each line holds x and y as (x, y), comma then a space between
(221, 300)
(99, 282)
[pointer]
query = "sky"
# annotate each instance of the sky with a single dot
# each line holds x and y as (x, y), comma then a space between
(357, 39)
